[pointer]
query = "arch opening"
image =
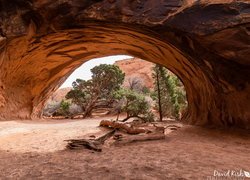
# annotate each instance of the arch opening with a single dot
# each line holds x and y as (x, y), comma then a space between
(163, 93)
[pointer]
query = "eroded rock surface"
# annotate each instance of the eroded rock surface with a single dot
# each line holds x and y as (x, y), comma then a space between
(205, 42)
(137, 71)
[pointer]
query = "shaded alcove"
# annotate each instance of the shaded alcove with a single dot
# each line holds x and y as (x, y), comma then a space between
(42, 63)
(139, 79)
(205, 43)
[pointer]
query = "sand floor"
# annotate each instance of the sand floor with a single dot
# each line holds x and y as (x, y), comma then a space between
(43, 136)
(35, 150)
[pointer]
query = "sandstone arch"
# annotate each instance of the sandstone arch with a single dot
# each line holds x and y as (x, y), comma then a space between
(205, 43)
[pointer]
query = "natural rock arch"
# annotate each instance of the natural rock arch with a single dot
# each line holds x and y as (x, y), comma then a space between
(44, 41)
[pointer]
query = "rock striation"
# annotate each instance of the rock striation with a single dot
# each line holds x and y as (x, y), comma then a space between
(206, 43)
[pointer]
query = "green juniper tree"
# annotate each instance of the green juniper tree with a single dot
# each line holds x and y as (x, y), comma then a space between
(134, 104)
(97, 91)
(63, 109)
(160, 90)
(177, 94)
(168, 92)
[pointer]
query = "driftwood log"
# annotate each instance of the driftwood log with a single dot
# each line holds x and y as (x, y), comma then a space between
(80, 143)
(120, 139)
(92, 144)
(123, 127)
(127, 134)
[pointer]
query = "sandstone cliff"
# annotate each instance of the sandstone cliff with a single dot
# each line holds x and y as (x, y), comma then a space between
(59, 94)
(205, 43)
(137, 68)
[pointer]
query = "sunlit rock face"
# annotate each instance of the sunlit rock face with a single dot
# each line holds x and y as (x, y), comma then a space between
(205, 43)
(137, 70)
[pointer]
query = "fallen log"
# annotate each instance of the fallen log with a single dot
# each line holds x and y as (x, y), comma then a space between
(89, 144)
(170, 128)
(92, 144)
(173, 127)
(135, 138)
(123, 127)
(104, 137)
(128, 134)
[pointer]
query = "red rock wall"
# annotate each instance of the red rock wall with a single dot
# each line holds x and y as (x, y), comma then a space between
(137, 68)
(205, 43)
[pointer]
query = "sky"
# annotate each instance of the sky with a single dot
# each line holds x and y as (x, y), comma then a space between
(83, 72)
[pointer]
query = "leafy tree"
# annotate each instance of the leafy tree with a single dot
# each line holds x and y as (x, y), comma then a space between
(98, 91)
(161, 94)
(177, 94)
(169, 92)
(146, 90)
(134, 104)
(64, 108)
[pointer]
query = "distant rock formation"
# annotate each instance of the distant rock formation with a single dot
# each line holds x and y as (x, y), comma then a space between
(59, 94)
(137, 68)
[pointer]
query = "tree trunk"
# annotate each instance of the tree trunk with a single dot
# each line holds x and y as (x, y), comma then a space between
(90, 107)
(87, 113)
(95, 144)
(158, 91)
(118, 114)
(128, 117)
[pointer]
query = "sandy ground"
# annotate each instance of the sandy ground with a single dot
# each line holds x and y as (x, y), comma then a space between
(43, 136)
(34, 150)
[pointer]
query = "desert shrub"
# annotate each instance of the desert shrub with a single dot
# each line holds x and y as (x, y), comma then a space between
(64, 108)
(50, 108)
(75, 109)
(134, 104)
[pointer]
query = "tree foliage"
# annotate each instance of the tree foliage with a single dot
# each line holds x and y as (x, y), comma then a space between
(168, 92)
(177, 94)
(97, 91)
(134, 104)
(65, 106)
(63, 110)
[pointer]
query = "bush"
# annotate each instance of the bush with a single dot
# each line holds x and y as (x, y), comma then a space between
(134, 104)
(64, 108)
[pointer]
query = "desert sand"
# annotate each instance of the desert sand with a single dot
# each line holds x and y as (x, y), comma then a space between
(35, 150)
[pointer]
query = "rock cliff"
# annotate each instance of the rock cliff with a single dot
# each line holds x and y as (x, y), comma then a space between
(137, 69)
(206, 43)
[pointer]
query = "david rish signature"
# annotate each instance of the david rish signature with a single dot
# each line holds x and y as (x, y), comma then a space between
(230, 174)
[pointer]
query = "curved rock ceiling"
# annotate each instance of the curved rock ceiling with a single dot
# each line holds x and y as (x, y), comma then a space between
(205, 43)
